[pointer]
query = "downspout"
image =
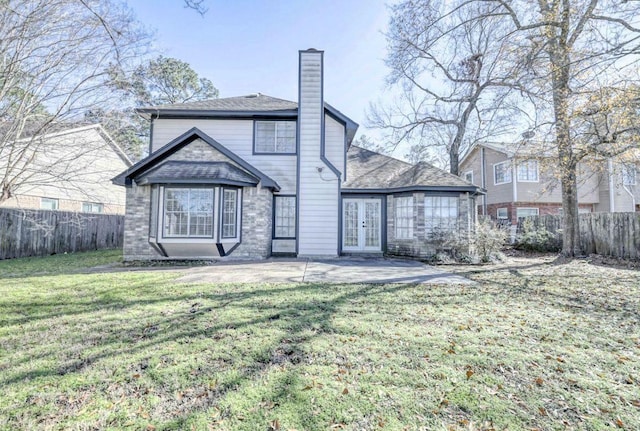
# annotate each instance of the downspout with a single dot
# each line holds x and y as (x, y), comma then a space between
(633, 199)
(612, 202)
(484, 181)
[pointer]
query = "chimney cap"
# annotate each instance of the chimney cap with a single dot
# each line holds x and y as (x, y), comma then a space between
(311, 50)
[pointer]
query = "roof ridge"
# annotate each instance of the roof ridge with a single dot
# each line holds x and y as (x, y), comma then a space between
(410, 165)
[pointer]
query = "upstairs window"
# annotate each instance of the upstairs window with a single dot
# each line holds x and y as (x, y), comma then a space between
(528, 171)
(629, 175)
(502, 173)
(275, 137)
(468, 176)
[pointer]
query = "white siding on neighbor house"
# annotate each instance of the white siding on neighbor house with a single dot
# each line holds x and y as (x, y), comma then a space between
(334, 150)
(76, 166)
(318, 198)
(237, 136)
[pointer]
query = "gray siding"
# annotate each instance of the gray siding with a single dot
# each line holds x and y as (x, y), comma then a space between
(237, 136)
(319, 195)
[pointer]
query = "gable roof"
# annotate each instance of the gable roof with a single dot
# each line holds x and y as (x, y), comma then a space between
(126, 177)
(376, 173)
(520, 149)
(249, 106)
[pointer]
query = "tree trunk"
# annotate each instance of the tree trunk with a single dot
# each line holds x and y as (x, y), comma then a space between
(571, 231)
(454, 160)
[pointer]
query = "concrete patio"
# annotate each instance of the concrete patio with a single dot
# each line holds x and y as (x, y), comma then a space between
(340, 270)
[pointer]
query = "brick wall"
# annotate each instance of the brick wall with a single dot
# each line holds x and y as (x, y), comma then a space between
(543, 209)
(256, 224)
(136, 225)
(420, 245)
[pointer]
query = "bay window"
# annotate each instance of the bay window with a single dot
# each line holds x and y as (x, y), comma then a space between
(188, 212)
(404, 217)
(440, 214)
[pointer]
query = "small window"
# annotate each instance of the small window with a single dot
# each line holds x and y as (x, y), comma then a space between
(629, 175)
(404, 217)
(468, 176)
(285, 217)
(440, 214)
(503, 214)
(92, 207)
(526, 212)
(188, 212)
(502, 173)
(49, 204)
(275, 137)
(229, 213)
(528, 171)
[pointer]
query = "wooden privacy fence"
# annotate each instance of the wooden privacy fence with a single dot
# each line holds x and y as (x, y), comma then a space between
(607, 234)
(41, 232)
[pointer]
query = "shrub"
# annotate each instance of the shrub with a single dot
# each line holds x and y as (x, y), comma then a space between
(536, 238)
(488, 240)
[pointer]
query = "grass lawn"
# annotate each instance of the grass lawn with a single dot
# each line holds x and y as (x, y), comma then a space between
(532, 346)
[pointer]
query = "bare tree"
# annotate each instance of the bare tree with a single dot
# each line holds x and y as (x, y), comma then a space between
(576, 53)
(56, 58)
(452, 73)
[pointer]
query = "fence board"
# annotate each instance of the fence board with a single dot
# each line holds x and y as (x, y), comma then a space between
(607, 234)
(41, 232)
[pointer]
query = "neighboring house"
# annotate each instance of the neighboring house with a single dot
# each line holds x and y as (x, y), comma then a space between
(254, 176)
(70, 170)
(520, 181)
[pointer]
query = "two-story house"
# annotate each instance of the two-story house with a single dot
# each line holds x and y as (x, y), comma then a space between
(67, 170)
(522, 180)
(253, 176)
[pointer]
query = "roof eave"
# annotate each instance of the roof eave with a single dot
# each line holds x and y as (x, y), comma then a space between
(149, 113)
(383, 190)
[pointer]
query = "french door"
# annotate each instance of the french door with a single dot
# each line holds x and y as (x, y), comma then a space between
(361, 224)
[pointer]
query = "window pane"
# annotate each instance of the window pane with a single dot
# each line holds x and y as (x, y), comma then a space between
(265, 136)
(48, 204)
(275, 137)
(188, 212)
(441, 214)
(285, 217)
(229, 209)
(404, 217)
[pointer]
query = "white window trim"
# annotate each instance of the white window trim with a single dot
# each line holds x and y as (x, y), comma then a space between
(275, 216)
(238, 216)
(464, 175)
(527, 208)
(537, 180)
(408, 229)
(163, 209)
(506, 162)
(625, 170)
(506, 211)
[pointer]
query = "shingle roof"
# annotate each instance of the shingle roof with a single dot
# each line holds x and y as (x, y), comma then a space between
(197, 172)
(368, 170)
(251, 102)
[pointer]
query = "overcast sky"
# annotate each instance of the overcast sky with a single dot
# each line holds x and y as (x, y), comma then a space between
(246, 46)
